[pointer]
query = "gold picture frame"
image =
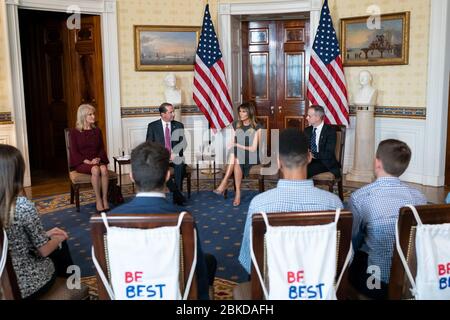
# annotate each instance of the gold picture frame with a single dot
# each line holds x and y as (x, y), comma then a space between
(384, 44)
(165, 48)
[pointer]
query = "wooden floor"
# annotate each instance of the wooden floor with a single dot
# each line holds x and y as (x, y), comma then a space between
(58, 184)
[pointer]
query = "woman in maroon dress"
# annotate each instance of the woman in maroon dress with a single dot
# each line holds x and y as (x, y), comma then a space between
(87, 154)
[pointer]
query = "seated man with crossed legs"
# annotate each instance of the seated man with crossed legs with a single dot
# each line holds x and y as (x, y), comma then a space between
(170, 134)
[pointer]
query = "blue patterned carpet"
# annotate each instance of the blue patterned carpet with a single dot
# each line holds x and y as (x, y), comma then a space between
(219, 223)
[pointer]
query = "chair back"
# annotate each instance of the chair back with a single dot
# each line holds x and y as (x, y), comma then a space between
(340, 143)
(399, 283)
(145, 221)
(8, 280)
(344, 231)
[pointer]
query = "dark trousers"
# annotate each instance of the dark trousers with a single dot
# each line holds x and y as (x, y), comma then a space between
(315, 167)
(61, 259)
(176, 183)
(211, 267)
(206, 271)
(358, 277)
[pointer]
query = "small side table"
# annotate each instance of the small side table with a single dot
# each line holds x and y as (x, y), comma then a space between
(205, 157)
(121, 161)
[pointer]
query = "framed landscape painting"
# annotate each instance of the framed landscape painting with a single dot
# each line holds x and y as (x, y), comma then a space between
(165, 48)
(386, 44)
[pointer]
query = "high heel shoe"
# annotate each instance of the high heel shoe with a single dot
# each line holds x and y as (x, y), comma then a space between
(99, 211)
(219, 193)
(237, 200)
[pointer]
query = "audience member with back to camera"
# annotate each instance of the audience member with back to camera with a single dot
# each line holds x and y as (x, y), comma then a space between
(294, 193)
(38, 256)
(150, 172)
(375, 208)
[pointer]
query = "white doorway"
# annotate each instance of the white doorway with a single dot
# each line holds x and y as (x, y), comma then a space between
(106, 9)
(230, 17)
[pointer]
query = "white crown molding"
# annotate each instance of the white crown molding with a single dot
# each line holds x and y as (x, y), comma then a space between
(12, 2)
(270, 7)
(86, 6)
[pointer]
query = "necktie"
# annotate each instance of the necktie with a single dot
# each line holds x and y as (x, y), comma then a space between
(313, 141)
(167, 138)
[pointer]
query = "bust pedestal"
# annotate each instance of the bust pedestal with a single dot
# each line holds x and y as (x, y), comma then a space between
(362, 169)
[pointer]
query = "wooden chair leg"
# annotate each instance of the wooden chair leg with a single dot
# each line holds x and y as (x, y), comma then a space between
(261, 184)
(112, 188)
(198, 180)
(110, 191)
(341, 190)
(77, 197)
(71, 193)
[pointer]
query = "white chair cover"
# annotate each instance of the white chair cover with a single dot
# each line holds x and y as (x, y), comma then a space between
(144, 264)
(433, 260)
(301, 261)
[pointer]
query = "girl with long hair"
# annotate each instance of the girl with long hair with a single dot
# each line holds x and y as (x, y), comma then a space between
(29, 245)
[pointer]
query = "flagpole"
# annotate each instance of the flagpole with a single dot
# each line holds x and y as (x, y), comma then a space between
(208, 172)
(211, 157)
(212, 97)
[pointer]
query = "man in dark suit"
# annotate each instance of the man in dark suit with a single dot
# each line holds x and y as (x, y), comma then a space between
(322, 138)
(150, 172)
(170, 134)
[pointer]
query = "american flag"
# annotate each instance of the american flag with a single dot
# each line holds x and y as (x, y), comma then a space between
(210, 86)
(326, 85)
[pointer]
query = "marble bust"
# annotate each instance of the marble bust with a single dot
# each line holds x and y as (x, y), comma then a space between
(172, 93)
(367, 94)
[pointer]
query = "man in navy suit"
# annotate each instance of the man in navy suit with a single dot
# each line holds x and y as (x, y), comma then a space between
(150, 172)
(170, 134)
(322, 139)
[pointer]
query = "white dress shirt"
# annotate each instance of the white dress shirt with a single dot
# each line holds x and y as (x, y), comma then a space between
(164, 128)
(318, 132)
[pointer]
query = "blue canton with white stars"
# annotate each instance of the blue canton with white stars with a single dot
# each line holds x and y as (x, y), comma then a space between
(208, 48)
(326, 45)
